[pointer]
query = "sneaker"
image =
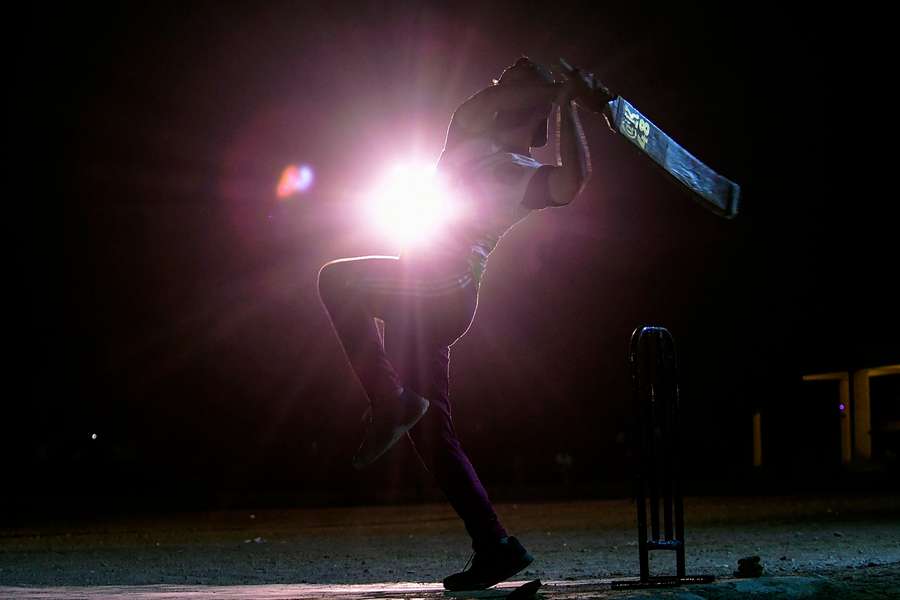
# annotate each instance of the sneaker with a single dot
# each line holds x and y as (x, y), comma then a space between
(387, 423)
(490, 566)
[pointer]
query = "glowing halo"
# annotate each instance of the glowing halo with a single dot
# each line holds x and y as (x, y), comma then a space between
(410, 204)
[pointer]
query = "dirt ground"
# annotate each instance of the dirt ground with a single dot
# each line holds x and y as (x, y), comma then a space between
(850, 539)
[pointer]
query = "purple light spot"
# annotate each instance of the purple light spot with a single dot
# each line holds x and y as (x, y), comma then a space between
(304, 178)
(295, 179)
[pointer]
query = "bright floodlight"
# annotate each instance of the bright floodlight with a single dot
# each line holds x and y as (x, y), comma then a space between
(411, 204)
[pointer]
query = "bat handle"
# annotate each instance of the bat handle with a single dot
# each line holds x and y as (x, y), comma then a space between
(600, 96)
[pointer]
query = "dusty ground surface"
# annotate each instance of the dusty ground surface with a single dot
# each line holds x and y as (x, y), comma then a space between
(852, 542)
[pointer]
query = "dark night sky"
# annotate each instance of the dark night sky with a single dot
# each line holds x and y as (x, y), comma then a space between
(168, 301)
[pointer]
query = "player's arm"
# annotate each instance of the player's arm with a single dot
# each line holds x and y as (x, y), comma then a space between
(476, 114)
(573, 169)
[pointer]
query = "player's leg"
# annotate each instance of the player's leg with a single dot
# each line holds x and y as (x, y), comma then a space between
(497, 556)
(352, 313)
(355, 292)
(439, 448)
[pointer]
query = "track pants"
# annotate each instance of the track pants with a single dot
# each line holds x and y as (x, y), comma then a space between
(425, 309)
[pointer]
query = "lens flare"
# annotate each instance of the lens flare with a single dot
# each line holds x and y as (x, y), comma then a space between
(411, 204)
(294, 179)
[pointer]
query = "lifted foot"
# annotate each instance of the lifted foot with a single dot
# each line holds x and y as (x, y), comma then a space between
(387, 423)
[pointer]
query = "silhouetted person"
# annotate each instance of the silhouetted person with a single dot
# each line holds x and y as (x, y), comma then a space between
(427, 297)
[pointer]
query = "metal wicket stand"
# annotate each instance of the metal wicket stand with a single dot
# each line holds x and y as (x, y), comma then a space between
(654, 379)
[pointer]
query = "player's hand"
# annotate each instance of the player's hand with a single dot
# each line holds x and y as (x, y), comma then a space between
(590, 94)
(572, 88)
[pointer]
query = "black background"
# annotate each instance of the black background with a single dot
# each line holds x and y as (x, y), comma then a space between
(164, 299)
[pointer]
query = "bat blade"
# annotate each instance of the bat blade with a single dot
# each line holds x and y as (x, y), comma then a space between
(715, 192)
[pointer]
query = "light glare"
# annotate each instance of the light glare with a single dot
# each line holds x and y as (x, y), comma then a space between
(411, 204)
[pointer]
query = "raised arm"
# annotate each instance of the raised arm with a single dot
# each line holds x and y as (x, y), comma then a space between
(572, 155)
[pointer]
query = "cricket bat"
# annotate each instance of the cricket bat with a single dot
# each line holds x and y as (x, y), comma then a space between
(715, 192)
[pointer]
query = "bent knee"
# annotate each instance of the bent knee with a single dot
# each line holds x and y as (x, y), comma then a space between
(331, 280)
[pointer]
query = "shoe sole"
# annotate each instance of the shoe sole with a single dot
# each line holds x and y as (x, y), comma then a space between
(360, 463)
